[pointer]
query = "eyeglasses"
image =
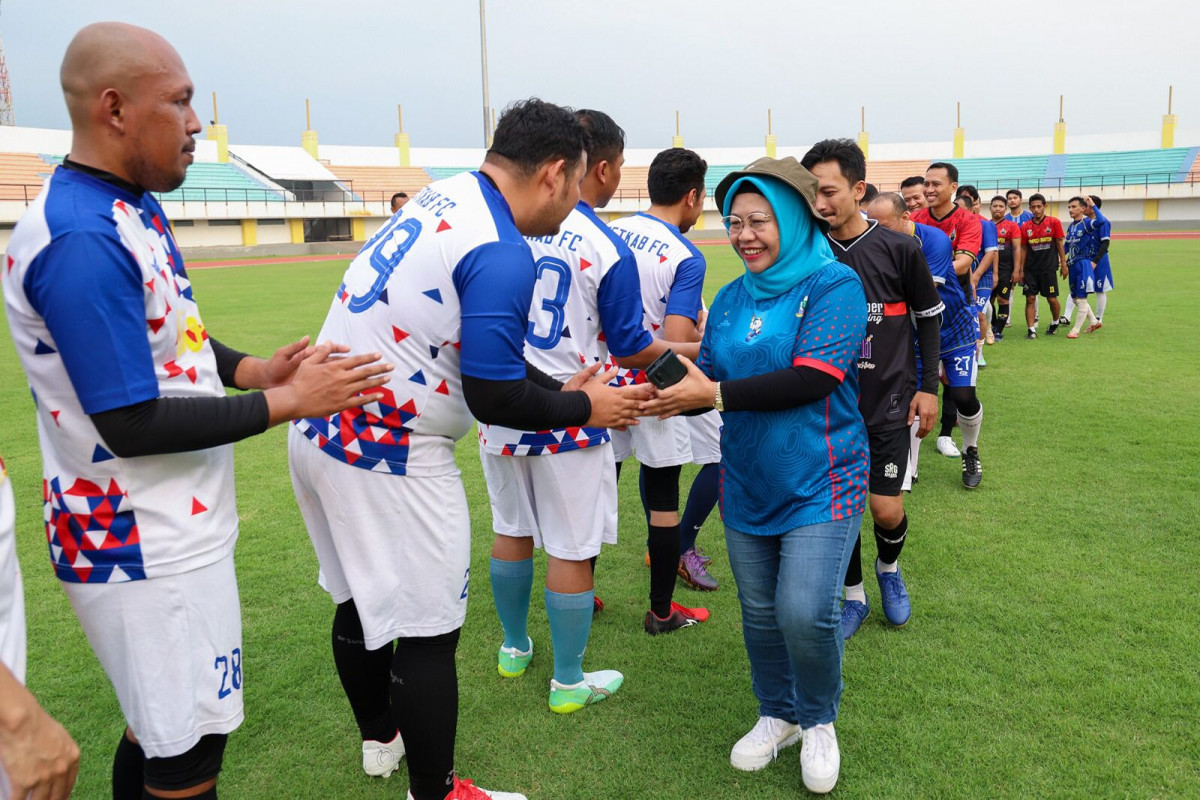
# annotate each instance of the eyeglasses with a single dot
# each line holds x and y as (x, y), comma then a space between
(757, 222)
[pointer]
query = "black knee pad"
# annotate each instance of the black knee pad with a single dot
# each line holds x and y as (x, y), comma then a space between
(965, 399)
(201, 763)
(662, 487)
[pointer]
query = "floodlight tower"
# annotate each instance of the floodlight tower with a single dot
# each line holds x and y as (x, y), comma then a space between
(7, 115)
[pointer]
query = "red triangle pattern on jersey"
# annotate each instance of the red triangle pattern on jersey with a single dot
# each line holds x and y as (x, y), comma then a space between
(198, 507)
(443, 226)
(398, 334)
(10, 263)
(584, 264)
(156, 324)
(442, 388)
(661, 259)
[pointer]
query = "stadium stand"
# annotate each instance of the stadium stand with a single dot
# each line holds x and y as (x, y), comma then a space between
(998, 174)
(21, 175)
(441, 173)
(887, 175)
(633, 183)
(218, 183)
(1132, 166)
(374, 183)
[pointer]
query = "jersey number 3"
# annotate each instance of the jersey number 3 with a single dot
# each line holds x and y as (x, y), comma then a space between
(549, 268)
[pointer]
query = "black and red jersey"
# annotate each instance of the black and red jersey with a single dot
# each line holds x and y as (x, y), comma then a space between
(1007, 232)
(1039, 239)
(964, 229)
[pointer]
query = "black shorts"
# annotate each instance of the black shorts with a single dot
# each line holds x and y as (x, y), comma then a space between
(1043, 282)
(889, 459)
(1004, 284)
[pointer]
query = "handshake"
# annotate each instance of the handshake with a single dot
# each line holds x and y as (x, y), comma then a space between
(674, 385)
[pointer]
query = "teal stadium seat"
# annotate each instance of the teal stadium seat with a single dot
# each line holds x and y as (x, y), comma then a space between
(215, 183)
(1129, 167)
(1001, 173)
(441, 173)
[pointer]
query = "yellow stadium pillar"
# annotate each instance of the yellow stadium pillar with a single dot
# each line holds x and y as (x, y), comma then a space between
(1150, 210)
(1060, 131)
(960, 133)
(249, 232)
(771, 143)
(308, 139)
(402, 139)
(677, 139)
(296, 229)
(864, 138)
(699, 226)
(218, 133)
(1169, 121)
(358, 229)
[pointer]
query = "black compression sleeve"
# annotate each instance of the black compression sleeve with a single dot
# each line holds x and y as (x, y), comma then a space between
(541, 379)
(524, 405)
(778, 390)
(1103, 251)
(929, 337)
(227, 362)
(181, 424)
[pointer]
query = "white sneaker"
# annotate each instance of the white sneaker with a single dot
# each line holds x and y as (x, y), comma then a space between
(380, 759)
(946, 446)
(820, 761)
(762, 744)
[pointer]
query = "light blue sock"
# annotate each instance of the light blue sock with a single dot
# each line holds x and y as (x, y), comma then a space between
(512, 582)
(570, 617)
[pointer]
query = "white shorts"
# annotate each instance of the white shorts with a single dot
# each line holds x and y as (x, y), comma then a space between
(622, 444)
(172, 647)
(400, 546)
(567, 501)
(706, 437)
(12, 594)
(660, 443)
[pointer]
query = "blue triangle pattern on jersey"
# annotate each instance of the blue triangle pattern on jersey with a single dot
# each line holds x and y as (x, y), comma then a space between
(418, 377)
(42, 349)
(433, 294)
(100, 454)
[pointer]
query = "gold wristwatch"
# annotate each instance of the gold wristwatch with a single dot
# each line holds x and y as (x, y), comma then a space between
(718, 402)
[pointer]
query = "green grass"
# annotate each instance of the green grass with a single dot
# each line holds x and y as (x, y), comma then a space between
(1051, 651)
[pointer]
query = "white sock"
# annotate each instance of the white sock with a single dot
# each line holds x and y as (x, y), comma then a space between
(970, 427)
(856, 593)
(1101, 302)
(1068, 311)
(881, 567)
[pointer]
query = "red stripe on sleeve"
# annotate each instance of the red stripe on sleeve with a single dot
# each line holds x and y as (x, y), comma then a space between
(895, 309)
(828, 369)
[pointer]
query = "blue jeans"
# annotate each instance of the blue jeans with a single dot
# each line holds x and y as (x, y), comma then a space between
(789, 587)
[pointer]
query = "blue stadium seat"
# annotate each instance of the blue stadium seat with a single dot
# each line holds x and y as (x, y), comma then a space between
(215, 183)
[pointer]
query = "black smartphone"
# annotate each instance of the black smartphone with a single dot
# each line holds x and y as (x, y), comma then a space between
(667, 370)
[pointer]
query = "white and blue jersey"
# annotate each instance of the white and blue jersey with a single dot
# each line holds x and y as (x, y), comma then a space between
(1081, 245)
(959, 325)
(1021, 218)
(586, 304)
(103, 316)
(1102, 233)
(804, 465)
(670, 271)
(442, 290)
(990, 244)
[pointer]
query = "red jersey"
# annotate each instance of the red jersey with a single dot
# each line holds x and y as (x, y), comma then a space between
(1007, 232)
(964, 229)
(1039, 237)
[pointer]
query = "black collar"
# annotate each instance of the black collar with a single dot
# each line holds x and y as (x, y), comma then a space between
(103, 175)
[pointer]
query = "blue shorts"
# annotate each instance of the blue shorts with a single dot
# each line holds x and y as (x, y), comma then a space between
(1104, 276)
(1081, 277)
(983, 296)
(958, 366)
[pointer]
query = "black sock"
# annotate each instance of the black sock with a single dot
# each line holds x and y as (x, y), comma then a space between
(949, 413)
(854, 570)
(128, 778)
(1001, 318)
(891, 542)
(664, 566)
(592, 561)
(209, 794)
(424, 693)
(365, 675)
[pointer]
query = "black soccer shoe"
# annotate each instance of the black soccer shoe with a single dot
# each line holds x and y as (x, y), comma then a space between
(1031, 334)
(972, 470)
(1052, 329)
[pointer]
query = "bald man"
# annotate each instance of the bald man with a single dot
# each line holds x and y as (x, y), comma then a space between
(135, 428)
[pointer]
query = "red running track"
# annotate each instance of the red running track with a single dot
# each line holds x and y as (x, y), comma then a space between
(253, 262)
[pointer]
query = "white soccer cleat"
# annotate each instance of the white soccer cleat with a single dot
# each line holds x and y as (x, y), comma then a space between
(946, 446)
(762, 744)
(380, 759)
(820, 761)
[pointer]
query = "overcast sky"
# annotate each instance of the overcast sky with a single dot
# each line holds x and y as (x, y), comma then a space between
(721, 63)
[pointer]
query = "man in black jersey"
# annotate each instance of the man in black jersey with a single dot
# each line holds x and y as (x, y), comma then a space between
(899, 289)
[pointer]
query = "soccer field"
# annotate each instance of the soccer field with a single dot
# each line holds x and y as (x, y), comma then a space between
(1051, 652)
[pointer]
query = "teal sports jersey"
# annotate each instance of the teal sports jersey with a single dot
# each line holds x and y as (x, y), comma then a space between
(805, 465)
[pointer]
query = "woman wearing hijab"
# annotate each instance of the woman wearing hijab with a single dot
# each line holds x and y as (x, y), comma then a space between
(779, 359)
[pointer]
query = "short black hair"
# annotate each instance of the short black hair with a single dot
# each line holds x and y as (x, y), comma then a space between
(532, 132)
(896, 201)
(965, 200)
(999, 197)
(674, 173)
(951, 170)
(847, 154)
(1017, 192)
(398, 194)
(1076, 199)
(607, 138)
(970, 191)
(1095, 199)
(870, 194)
(1037, 197)
(915, 180)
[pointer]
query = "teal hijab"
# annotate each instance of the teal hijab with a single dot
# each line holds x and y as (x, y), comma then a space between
(803, 248)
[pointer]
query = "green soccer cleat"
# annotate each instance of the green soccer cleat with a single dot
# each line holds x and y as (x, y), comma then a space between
(511, 662)
(594, 687)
